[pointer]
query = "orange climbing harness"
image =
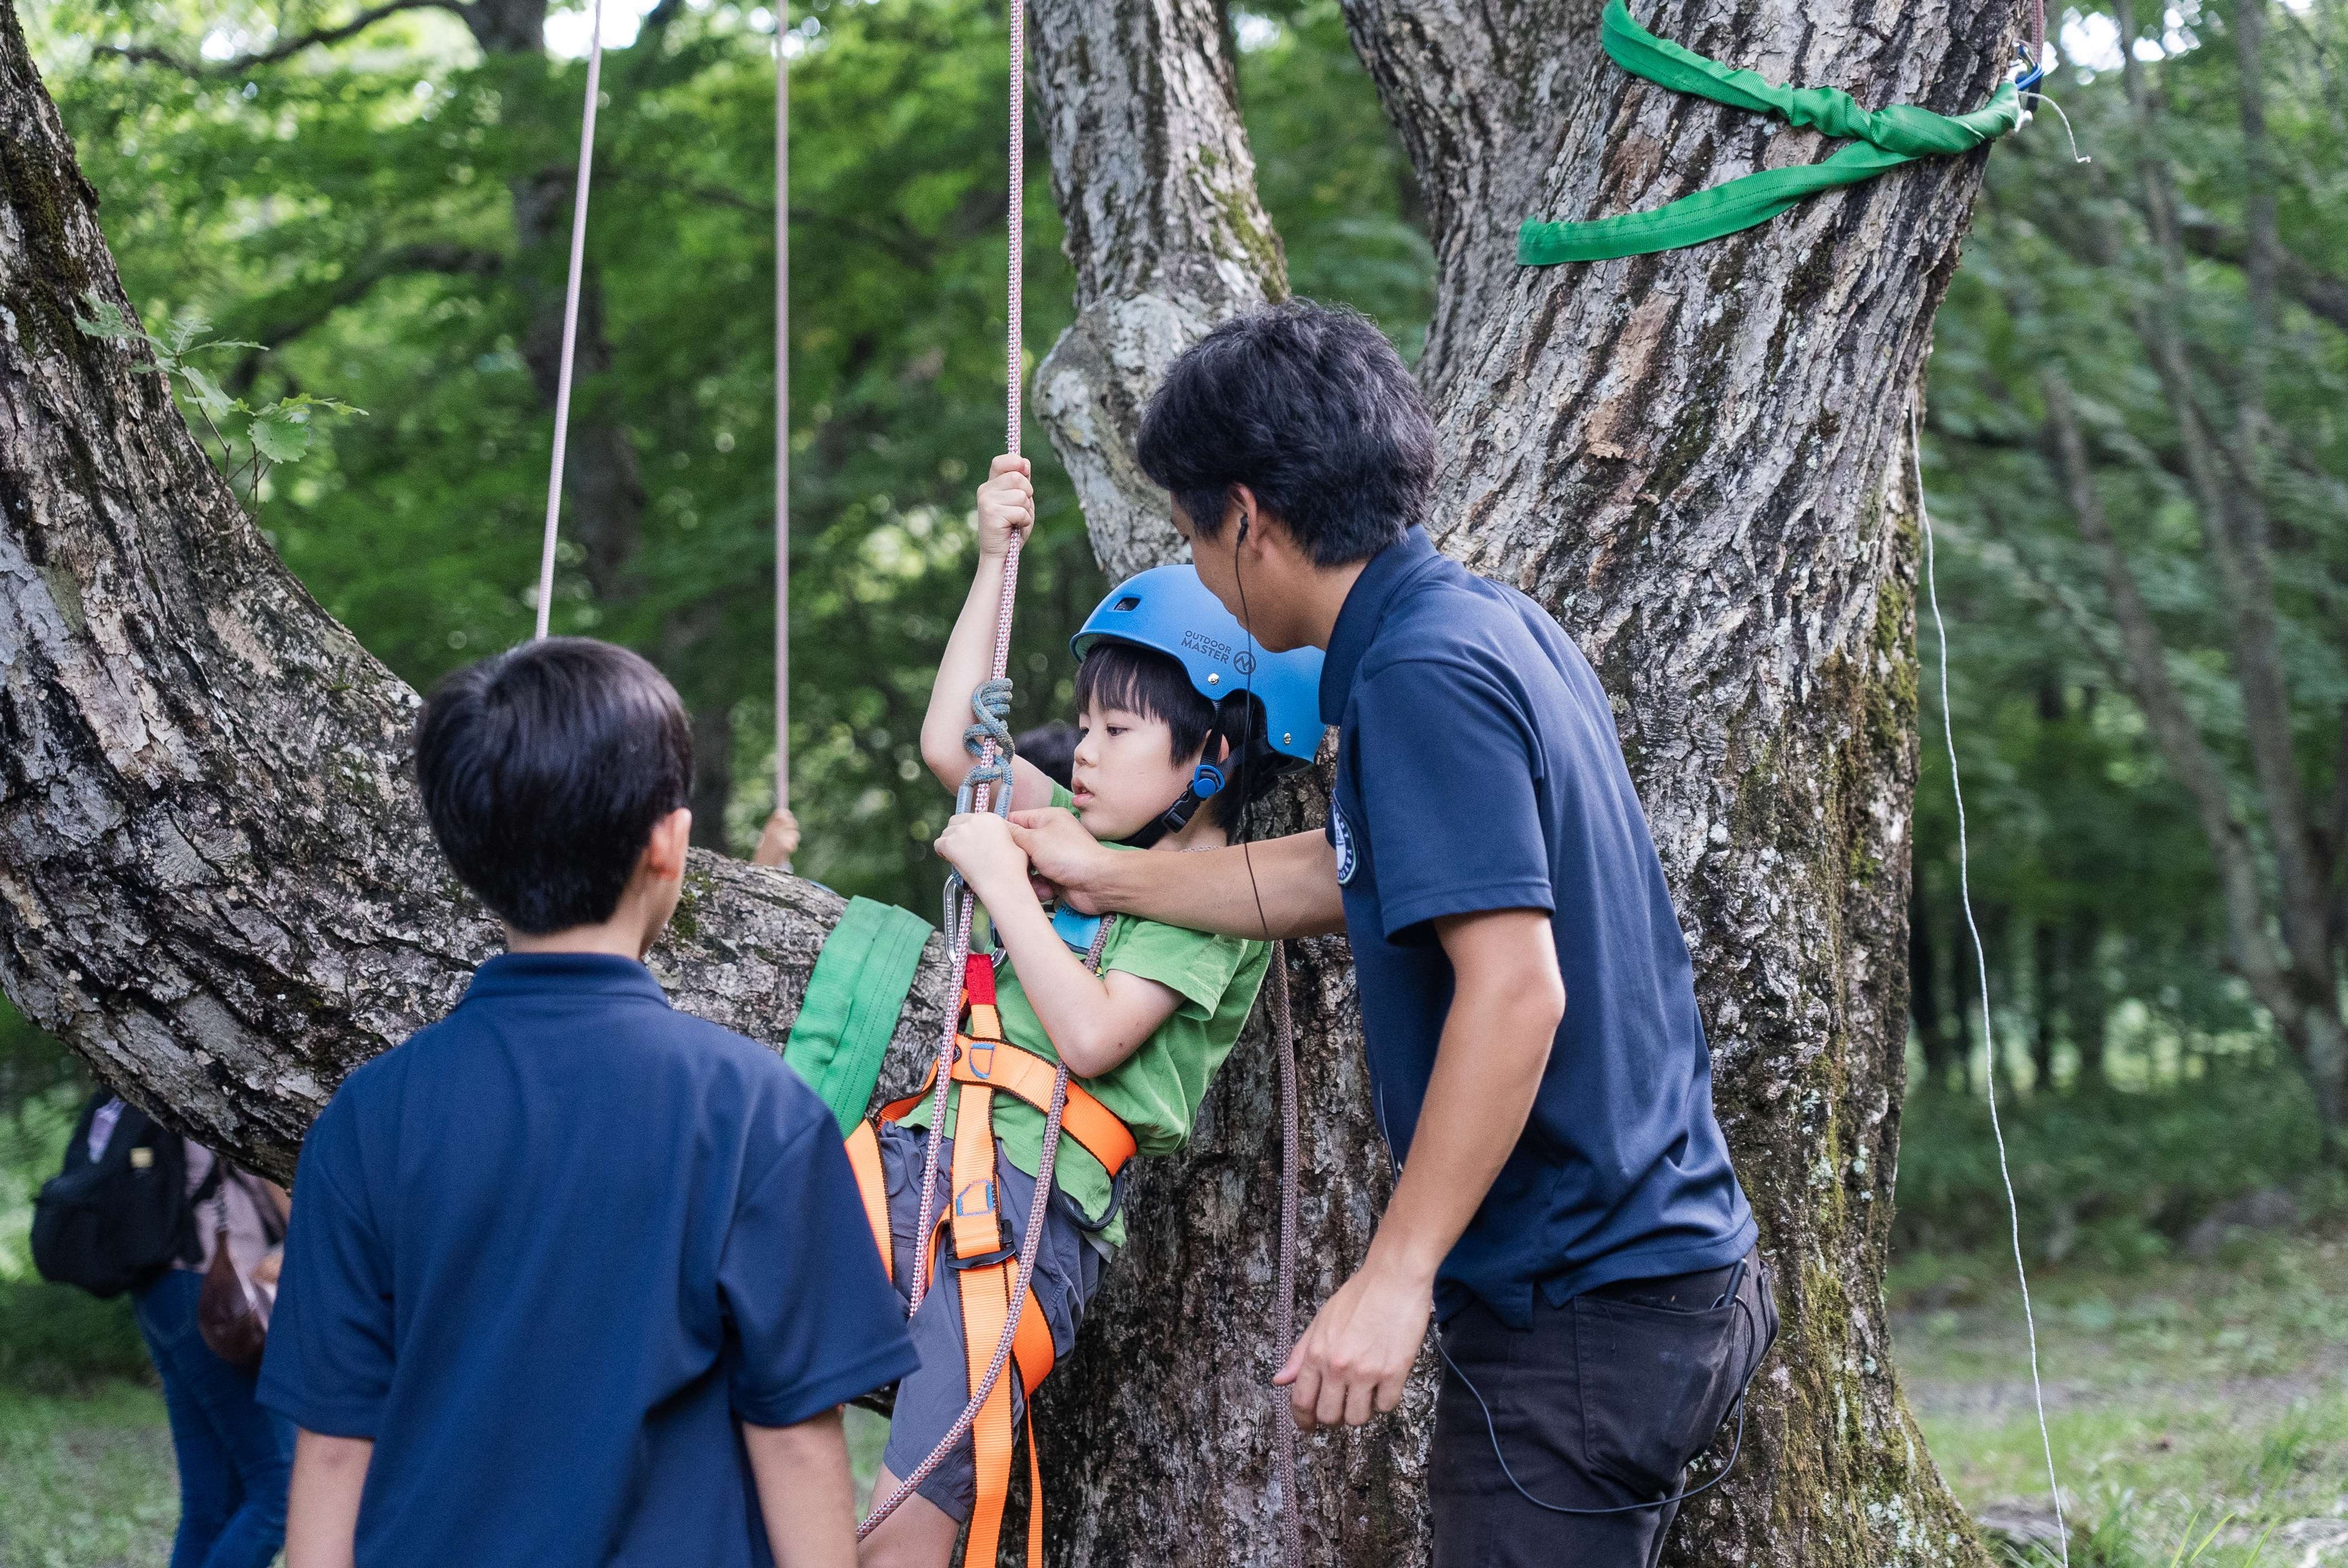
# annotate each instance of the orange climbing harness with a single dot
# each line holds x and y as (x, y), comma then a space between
(985, 1064)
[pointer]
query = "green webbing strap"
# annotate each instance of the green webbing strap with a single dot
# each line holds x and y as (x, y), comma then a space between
(1885, 139)
(858, 987)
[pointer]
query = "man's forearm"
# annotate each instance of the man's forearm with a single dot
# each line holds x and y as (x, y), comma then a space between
(1495, 1045)
(1281, 888)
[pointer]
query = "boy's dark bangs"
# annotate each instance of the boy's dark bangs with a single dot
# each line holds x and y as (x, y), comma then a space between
(1143, 681)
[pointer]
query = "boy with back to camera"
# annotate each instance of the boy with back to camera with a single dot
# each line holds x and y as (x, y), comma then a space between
(1179, 728)
(573, 1278)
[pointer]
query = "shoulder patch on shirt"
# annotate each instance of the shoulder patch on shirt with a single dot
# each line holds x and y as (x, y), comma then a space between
(1341, 834)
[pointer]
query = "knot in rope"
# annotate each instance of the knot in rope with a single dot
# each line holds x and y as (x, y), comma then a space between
(988, 740)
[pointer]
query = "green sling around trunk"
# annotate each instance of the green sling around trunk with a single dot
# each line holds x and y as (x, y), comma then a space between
(861, 979)
(1883, 139)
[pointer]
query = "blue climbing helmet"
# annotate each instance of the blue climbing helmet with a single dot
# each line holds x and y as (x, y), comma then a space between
(1169, 610)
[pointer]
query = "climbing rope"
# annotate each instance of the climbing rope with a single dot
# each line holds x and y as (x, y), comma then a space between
(994, 750)
(570, 315)
(986, 787)
(1284, 1451)
(1981, 968)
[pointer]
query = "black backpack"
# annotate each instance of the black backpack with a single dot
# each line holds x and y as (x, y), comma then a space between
(118, 1222)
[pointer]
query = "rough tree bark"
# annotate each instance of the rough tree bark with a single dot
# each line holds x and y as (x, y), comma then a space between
(1697, 462)
(216, 883)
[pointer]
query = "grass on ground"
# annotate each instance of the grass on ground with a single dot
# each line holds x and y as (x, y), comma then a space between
(85, 1477)
(2182, 1399)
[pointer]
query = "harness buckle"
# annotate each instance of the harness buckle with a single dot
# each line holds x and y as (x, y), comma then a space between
(1075, 1211)
(1008, 1252)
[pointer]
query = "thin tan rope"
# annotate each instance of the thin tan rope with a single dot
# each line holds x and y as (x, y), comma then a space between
(571, 316)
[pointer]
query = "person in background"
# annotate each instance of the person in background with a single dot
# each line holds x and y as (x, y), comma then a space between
(778, 840)
(1051, 748)
(234, 1456)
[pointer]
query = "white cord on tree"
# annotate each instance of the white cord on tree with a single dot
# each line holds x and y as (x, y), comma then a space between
(571, 316)
(1980, 969)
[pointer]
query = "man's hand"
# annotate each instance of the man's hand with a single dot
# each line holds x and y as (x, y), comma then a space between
(778, 840)
(979, 845)
(1353, 1361)
(1063, 855)
(1506, 1000)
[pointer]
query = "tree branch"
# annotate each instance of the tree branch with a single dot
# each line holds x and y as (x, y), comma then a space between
(1155, 182)
(2324, 294)
(2173, 730)
(284, 50)
(220, 888)
(310, 307)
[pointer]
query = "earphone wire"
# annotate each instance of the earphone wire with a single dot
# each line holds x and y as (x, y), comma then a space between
(1247, 850)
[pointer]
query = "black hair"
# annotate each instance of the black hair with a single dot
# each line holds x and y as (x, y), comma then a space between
(1308, 407)
(1050, 747)
(544, 770)
(1143, 681)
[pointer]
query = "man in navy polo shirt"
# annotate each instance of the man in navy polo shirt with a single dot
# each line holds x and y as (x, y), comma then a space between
(1565, 1204)
(573, 1278)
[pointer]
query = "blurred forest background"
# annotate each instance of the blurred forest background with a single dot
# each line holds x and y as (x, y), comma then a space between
(2136, 447)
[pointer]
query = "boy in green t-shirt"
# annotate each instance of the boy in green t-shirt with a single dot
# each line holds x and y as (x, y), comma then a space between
(1181, 722)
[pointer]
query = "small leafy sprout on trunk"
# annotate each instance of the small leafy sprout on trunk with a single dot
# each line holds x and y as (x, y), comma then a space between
(275, 433)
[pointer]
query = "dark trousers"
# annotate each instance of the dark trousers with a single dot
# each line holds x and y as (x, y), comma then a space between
(1601, 1403)
(234, 1456)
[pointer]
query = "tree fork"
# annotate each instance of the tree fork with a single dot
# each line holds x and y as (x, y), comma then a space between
(218, 886)
(1698, 462)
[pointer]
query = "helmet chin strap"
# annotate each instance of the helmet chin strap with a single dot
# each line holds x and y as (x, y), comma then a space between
(1207, 780)
(1205, 783)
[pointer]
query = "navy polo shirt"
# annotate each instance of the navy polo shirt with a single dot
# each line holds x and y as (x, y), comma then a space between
(1478, 768)
(547, 1250)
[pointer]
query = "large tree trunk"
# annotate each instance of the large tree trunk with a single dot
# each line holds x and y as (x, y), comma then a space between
(216, 883)
(1696, 461)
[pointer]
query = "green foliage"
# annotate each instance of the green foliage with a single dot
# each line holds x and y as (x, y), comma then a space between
(2092, 874)
(54, 1339)
(361, 208)
(2110, 1176)
(277, 431)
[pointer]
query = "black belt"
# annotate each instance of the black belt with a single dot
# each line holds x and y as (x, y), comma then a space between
(1683, 1292)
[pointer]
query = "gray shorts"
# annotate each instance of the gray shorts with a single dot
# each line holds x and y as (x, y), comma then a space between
(1068, 1271)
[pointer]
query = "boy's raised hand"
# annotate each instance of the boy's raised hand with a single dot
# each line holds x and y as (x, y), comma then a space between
(1006, 504)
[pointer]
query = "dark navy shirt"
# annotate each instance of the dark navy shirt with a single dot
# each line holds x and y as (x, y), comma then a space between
(547, 1250)
(1478, 768)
